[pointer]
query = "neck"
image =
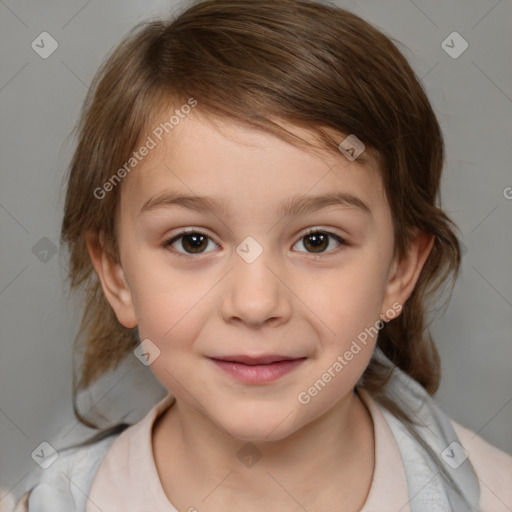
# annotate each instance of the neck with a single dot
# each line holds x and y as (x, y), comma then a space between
(334, 453)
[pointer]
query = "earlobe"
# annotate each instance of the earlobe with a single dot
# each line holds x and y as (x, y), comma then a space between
(405, 273)
(113, 281)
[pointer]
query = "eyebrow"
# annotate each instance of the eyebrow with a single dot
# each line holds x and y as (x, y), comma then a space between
(295, 205)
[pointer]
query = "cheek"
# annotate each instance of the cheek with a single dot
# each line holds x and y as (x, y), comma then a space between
(347, 299)
(171, 314)
(169, 305)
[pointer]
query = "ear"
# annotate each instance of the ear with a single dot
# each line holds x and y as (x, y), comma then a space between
(113, 281)
(404, 274)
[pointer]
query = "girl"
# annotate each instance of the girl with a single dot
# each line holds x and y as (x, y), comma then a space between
(253, 206)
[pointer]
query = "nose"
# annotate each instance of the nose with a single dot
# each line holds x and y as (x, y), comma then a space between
(256, 294)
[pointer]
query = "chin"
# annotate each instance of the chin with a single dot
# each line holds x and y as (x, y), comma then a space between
(260, 424)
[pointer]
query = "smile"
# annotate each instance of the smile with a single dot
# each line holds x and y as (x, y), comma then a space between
(257, 370)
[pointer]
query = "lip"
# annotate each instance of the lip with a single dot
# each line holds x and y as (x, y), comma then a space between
(257, 370)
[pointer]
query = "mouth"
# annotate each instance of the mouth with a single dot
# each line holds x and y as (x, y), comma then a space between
(257, 370)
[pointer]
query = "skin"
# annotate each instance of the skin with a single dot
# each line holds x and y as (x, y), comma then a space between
(291, 300)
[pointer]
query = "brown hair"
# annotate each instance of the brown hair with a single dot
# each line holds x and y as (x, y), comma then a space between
(317, 66)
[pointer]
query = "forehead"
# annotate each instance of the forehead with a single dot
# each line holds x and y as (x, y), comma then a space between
(245, 168)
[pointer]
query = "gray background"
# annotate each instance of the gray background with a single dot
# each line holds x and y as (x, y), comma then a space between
(39, 105)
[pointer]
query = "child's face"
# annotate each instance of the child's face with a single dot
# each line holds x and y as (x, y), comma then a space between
(304, 298)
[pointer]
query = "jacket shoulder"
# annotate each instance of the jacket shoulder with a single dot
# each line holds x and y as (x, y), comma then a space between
(493, 468)
(64, 485)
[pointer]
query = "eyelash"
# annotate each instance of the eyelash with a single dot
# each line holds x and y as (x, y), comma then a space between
(312, 231)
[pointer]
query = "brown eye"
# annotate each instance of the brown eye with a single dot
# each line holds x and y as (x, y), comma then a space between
(194, 243)
(318, 241)
(190, 242)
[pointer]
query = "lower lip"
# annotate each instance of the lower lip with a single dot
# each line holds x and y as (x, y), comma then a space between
(260, 373)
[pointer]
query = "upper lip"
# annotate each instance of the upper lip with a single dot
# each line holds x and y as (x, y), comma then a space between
(255, 360)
